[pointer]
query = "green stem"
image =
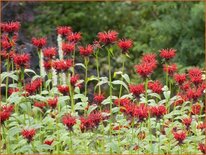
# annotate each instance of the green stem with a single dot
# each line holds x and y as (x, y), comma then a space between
(73, 71)
(120, 91)
(98, 72)
(71, 92)
(7, 78)
(71, 143)
(146, 87)
(86, 61)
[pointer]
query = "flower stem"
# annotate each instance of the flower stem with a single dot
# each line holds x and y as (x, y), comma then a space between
(86, 61)
(146, 87)
(73, 71)
(7, 78)
(98, 72)
(120, 90)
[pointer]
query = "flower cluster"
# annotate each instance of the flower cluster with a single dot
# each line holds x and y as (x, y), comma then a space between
(69, 121)
(28, 134)
(5, 113)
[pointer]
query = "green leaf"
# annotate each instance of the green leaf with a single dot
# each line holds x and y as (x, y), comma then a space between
(118, 82)
(80, 64)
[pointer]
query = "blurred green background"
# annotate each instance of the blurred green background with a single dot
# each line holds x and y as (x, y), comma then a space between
(151, 25)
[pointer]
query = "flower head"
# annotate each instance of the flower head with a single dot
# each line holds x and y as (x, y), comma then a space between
(50, 52)
(39, 42)
(63, 89)
(187, 121)
(125, 45)
(21, 60)
(170, 69)
(141, 111)
(62, 65)
(52, 102)
(136, 90)
(6, 45)
(10, 27)
(5, 112)
(98, 98)
(202, 148)
(48, 65)
(195, 74)
(158, 111)
(48, 142)
(64, 30)
(196, 108)
(155, 86)
(74, 79)
(74, 37)
(40, 105)
(180, 78)
(107, 37)
(86, 51)
(179, 136)
(68, 48)
(13, 90)
(122, 102)
(69, 121)
(167, 53)
(28, 134)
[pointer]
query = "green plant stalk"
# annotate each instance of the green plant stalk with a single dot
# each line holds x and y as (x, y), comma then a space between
(86, 61)
(71, 92)
(120, 91)
(7, 78)
(98, 72)
(159, 137)
(71, 143)
(132, 132)
(73, 71)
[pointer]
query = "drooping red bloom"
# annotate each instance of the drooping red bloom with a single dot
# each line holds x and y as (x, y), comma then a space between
(5, 112)
(62, 65)
(98, 98)
(68, 48)
(48, 142)
(48, 65)
(74, 79)
(13, 90)
(52, 102)
(6, 45)
(141, 111)
(64, 30)
(167, 53)
(40, 105)
(158, 111)
(202, 148)
(74, 37)
(180, 78)
(196, 108)
(28, 134)
(69, 121)
(147, 65)
(11, 27)
(63, 89)
(155, 86)
(21, 60)
(125, 45)
(107, 37)
(136, 90)
(179, 136)
(50, 52)
(39, 42)
(195, 74)
(86, 51)
(170, 69)
(187, 121)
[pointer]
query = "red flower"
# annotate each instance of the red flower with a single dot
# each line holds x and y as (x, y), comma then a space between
(47, 65)
(63, 89)
(48, 142)
(185, 86)
(62, 65)
(69, 121)
(21, 60)
(98, 98)
(86, 51)
(5, 112)
(195, 75)
(68, 48)
(28, 134)
(8, 108)
(64, 30)
(40, 105)
(141, 111)
(180, 78)
(158, 111)
(52, 102)
(74, 79)
(202, 148)
(136, 90)
(170, 69)
(7, 55)
(74, 37)
(6, 45)
(201, 126)
(194, 93)
(125, 45)
(122, 102)
(11, 27)
(32, 87)
(155, 86)
(187, 121)
(167, 53)
(107, 37)
(12, 90)
(39, 42)
(196, 108)
(179, 136)
(50, 52)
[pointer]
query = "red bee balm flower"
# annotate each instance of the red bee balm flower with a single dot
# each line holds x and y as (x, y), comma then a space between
(74, 79)
(107, 37)
(86, 51)
(21, 60)
(179, 136)
(155, 86)
(167, 53)
(195, 75)
(28, 134)
(74, 37)
(48, 142)
(98, 98)
(64, 30)
(196, 109)
(122, 102)
(5, 112)
(158, 111)
(62, 65)
(136, 90)
(11, 27)
(125, 45)
(47, 65)
(170, 69)
(180, 78)
(194, 93)
(202, 148)
(39, 42)
(40, 105)
(52, 102)
(6, 45)
(12, 90)
(50, 52)
(63, 89)
(187, 121)
(69, 121)
(68, 48)
(141, 111)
